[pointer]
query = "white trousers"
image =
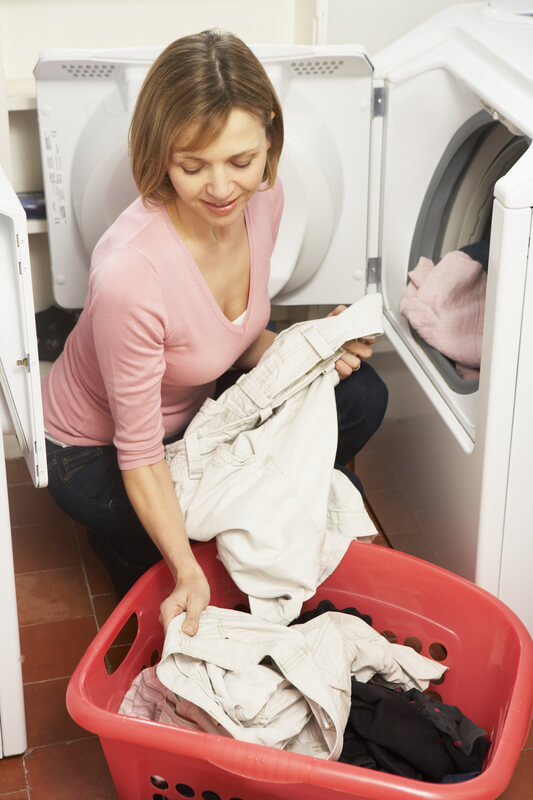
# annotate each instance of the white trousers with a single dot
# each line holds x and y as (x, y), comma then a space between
(255, 468)
(286, 687)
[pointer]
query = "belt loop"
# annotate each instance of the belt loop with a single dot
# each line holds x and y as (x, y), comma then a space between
(317, 341)
(192, 450)
(250, 384)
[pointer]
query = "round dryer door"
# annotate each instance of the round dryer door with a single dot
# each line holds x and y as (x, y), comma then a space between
(102, 184)
(326, 96)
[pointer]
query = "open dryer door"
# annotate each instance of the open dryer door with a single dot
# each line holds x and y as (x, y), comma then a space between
(85, 100)
(456, 123)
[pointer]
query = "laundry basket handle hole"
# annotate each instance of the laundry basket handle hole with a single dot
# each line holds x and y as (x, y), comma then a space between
(121, 644)
(437, 651)
(158, 782)
(414, 642)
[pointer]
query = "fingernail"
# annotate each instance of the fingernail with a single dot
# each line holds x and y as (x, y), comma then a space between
(188, 629)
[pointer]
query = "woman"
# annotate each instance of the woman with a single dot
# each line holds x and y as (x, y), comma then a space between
(177, 295)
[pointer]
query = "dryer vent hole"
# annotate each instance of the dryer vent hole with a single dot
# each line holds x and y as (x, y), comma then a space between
(89, 70)
(316, 67)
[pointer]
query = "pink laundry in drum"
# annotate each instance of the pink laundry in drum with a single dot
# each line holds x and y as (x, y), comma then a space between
(445, 304)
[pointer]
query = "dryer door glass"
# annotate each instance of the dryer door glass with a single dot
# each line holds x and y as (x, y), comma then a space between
(19, 366)
(444, 153)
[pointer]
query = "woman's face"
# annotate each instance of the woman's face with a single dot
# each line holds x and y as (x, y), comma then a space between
(214, 184)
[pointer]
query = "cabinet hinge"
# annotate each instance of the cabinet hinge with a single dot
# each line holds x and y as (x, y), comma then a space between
(373, 272)
(378, 102)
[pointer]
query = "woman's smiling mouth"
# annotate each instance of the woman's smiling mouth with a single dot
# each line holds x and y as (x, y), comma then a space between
(220, 209)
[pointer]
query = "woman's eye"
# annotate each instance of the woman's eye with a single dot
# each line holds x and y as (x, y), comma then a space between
(191, 171)
(242, 166)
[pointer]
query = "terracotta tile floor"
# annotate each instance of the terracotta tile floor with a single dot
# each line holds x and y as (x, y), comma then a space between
(64, 595)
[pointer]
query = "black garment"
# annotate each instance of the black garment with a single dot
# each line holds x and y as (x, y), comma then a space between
(479, 251)
(53, 325)
(327, 605)
(387, 727)
(461, 731)
(398, 737)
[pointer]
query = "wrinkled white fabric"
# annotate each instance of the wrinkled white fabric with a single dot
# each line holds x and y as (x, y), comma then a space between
(255, 468)
(285, 687)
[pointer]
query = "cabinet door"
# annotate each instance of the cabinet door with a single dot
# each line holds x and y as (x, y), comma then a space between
(20, 405)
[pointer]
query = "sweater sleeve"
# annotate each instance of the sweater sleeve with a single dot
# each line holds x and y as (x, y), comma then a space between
(129, 322)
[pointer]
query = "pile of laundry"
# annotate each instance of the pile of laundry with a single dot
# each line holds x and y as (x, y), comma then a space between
(445, 304)
(327, 685)
(275, 677)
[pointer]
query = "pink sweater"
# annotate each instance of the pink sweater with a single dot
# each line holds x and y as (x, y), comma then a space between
(152, 340)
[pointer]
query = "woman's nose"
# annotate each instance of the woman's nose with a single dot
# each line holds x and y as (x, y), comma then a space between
(220, 185)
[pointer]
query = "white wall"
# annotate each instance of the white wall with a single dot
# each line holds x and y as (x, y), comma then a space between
(28, 26)
(373, 23)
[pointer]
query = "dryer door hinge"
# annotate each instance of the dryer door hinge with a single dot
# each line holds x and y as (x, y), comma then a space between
(378, 101)
(373, 272)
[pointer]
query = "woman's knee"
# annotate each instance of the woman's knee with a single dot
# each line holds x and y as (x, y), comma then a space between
(363, 395)
(376, 391)
(361, 405)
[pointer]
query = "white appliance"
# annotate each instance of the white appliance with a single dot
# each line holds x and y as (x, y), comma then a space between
(423, 151)
(21, 414)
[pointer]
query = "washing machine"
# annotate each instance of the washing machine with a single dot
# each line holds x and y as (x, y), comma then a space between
(20, 415)
(422, 150)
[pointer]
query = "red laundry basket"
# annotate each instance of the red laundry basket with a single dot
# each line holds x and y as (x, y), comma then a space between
(487, 649)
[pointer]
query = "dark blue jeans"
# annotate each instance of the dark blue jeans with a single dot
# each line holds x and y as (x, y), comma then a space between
(86, 482)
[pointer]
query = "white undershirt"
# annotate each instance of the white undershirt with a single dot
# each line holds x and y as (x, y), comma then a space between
(240, 318)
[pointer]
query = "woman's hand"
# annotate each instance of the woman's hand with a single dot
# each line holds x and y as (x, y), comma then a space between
(357, 350)
(191, 594)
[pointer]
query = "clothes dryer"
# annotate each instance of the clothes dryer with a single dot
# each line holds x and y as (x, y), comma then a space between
(424, 150)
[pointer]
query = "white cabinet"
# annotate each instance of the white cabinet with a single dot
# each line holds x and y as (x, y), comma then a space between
(20, 160)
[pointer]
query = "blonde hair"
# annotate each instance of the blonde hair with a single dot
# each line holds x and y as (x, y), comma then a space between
(193, 86)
